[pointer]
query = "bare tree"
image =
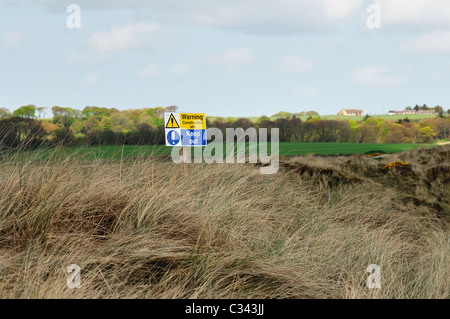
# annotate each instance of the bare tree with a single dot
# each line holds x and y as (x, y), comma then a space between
(172, 108)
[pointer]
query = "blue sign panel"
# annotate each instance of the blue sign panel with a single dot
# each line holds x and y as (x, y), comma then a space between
(173, 137)
(193, 137)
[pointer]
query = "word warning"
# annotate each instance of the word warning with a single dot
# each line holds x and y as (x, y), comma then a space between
(185, 129)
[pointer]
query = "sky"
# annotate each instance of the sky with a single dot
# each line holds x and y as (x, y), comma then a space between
(226, 58)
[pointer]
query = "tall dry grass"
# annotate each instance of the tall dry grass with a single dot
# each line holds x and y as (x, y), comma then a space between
(151, 229)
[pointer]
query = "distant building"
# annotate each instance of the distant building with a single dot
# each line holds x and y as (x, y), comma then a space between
(426, 112)
(351, 112)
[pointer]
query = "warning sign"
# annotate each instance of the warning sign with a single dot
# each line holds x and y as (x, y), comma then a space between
(172, 122)
(193, 121)
(185, 129)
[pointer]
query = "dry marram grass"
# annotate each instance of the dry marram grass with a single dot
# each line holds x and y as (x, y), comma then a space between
(149, 230)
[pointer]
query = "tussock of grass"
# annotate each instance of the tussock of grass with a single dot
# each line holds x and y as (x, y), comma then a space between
(151, 229)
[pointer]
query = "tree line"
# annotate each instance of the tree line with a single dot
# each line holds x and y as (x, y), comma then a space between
(109, 126)
(368, 130)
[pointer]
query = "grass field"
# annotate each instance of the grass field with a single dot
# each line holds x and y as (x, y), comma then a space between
(286, 149)
(138, 230)
(341, 117)
(293, 149)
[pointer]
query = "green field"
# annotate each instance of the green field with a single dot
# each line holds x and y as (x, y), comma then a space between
(286, 149)
(346, 118)
(293, 149)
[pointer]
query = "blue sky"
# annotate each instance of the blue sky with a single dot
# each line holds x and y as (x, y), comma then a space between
(226, 58)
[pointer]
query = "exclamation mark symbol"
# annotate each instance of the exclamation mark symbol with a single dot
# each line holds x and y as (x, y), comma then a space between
(173, 136)
(171, 119)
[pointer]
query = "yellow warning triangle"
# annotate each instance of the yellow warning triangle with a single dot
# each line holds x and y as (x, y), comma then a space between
(172, 122)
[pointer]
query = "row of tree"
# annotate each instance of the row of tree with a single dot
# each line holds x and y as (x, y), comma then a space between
(97, 125)
(438, 109)
(370, 130)
(283, 114)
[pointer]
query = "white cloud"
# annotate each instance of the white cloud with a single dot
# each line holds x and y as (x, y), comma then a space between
(232, 60)
(415, 14)
(376, 77)
(293, 64)
(435, 42)
(306, 91)
(130, 37)
(13, 40)
(89, 81)
(179, 69)
(133, 36)
(149, 71)
(261, 16)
